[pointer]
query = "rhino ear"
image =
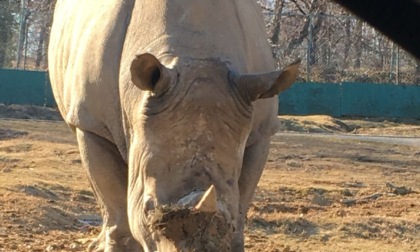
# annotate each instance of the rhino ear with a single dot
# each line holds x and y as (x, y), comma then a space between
(266, 85)
(148, 74)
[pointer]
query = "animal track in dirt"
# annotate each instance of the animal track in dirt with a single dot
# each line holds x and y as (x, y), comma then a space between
(379, 228)
(29, 112)
(7, 134)
(16, 148)
(290, 226)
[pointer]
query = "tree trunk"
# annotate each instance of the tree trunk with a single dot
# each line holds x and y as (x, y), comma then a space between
(4, 32)
(348, 42)
(417, 78)
(310, 30)
(40, 49)
(7, 27)
(315, 30)
(24, 16)
(275, 33)
(295, 42)
(358, 43)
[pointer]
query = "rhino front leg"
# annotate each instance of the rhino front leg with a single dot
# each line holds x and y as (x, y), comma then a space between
(255, 157)
(107, 174)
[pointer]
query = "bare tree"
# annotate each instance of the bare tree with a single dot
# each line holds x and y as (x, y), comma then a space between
(275, 31)
(417, 72)
(347, 41)
(358, 43)
(322, 33)
(312, 26)
(8, 26)
(44, 8)
(24, 16)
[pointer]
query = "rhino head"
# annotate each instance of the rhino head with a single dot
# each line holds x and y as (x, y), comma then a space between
(187, 125)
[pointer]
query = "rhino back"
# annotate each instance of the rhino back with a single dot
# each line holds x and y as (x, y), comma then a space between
(84, 57)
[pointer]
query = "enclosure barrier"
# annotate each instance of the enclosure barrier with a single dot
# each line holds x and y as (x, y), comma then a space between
(344, 99)
(25, 87)
(351, 99)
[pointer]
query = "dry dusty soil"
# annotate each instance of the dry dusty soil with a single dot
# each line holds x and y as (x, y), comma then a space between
(316, 194)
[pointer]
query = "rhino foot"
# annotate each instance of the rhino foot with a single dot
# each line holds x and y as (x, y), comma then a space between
(110, 240)
(98, 245)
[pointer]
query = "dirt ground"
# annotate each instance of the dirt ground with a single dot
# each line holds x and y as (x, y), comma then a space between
(316, 194)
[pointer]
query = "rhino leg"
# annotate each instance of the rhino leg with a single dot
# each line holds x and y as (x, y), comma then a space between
(107, 174)
(254, 160)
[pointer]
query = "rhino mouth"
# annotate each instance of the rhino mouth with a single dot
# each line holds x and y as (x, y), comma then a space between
(191, 230)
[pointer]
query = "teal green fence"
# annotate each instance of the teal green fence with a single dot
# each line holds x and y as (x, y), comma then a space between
(344, 99)
(25, 87)
(359, 99)
(311, 99)
(351, 99)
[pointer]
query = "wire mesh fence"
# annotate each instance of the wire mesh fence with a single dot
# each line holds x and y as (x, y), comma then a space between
(344, 49)
(334, 46)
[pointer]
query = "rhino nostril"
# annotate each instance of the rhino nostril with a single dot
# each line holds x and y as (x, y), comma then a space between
(149, 203)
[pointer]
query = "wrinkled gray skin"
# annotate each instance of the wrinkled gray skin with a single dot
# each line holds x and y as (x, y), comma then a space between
(158, 95)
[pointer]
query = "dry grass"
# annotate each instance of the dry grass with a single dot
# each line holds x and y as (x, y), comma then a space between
(46, 203)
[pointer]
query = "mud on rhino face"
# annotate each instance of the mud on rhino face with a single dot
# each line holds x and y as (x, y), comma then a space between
(188, 126)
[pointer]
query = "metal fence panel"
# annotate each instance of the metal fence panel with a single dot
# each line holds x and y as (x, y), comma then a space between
(311, 99)
(386, 100)
(25, 87)
(345, 99)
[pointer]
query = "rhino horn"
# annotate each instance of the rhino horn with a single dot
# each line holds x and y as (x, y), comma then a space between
(208, 202)
(266, 85)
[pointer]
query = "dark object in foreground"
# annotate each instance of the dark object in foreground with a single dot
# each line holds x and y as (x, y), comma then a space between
(397, 19)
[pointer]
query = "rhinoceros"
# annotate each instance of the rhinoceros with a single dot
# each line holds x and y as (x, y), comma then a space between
(173, 103)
